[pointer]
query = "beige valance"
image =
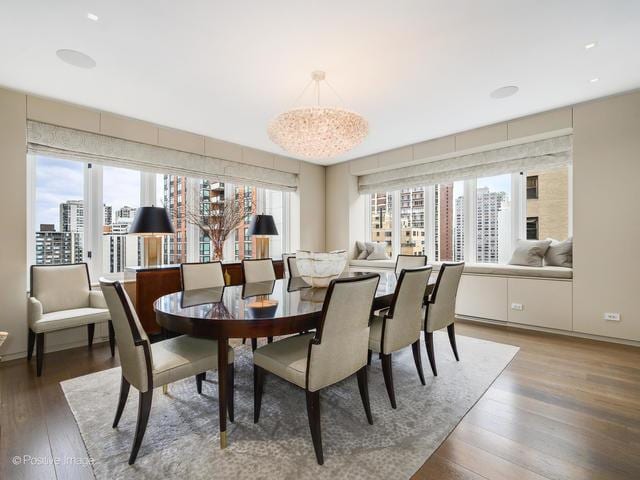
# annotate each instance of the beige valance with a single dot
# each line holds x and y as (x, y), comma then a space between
(62, 142)
(540, 154)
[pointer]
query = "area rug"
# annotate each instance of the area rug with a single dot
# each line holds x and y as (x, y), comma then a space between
(182, 436)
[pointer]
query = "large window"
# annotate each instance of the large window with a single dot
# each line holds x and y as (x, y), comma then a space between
(493, 219)
(381, 215)
(412, 239)
(448, 222)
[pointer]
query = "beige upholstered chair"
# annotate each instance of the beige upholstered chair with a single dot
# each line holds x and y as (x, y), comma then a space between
(258, 270)
(61, 297)
(399, 325)
(148, 365)
(317, 360)
(409, 261)
(291, 265)
(441, 309)
(201, 275)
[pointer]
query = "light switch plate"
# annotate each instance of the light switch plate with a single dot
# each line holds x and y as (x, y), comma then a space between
(612, 316)
(517, 306)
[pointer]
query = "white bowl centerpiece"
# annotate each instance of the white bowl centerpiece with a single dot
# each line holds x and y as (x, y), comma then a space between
(318, 269)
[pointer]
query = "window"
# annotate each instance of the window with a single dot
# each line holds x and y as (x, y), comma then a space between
(532, 187)
(381, 215)
(493, 219)
(171, 192)
(448, 220)
(411, 221)
(551, 203)
(532, 228)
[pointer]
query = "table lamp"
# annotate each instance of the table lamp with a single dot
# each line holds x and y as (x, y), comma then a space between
(152, 223)
(262, 226)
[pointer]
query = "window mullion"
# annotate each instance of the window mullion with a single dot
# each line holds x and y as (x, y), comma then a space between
(396, 228)
(470, 220)
(429, 222)
(93, 219)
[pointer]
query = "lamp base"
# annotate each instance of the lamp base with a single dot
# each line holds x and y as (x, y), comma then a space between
(262, 247)
(152, 251)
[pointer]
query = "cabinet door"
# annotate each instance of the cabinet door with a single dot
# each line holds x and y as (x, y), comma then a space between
(545, 303)
(482, 297)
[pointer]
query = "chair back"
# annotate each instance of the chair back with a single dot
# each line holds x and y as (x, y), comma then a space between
(131, 339)
(291, 265)
(259, 270)
(201, 275)
(339, 348)
(409, 261)
(441, 308)
(60, 287)
(402, 324)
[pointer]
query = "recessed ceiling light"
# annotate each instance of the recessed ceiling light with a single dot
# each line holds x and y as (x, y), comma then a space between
(76, 58)
(589, 46)
(594, 80)
(92, 16)
(504, 92)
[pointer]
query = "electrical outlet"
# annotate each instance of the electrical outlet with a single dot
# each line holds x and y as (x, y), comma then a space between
(517, 306)
(612, 316)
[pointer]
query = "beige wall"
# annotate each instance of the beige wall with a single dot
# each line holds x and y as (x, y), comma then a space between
(345, 210)
(308, 209)
(606, 219)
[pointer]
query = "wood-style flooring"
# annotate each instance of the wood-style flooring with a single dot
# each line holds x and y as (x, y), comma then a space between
(565, 408)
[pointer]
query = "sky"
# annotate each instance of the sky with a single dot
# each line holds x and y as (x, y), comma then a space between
(60, 180)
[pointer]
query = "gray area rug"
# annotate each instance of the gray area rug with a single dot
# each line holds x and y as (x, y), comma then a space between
(182, 436)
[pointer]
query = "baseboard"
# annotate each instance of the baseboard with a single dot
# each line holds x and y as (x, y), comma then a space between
(54, 348)
(588, 336)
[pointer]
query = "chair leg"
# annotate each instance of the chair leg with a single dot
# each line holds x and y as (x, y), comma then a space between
(230, 385)
(363, 386)
(244, 340)
(124, 393)
(388, 378)
(144, 407)
(415, 346)
(369, 353)
(451, 331)
(199, 383)
(428, 342)
(254, 344)
(91, 328)
(258, 381)
(112, 338)
(39, 352)
(30, 344)
(313, 411)
(269, 339)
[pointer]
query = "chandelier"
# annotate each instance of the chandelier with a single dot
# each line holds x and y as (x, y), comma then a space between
(318, 132)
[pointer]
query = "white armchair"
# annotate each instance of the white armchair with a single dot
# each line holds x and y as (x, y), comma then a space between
(61, 298)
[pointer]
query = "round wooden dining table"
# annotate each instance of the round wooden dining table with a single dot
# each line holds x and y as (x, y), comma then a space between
(253, 310)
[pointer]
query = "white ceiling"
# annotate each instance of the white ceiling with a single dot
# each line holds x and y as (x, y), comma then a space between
(415, 69)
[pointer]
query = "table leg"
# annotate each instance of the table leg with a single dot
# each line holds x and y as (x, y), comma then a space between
(223, 352)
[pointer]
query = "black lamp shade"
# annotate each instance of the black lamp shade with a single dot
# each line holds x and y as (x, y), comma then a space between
(262, 225)
(151, 220)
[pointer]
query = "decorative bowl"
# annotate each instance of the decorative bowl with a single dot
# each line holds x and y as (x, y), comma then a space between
(318, 269)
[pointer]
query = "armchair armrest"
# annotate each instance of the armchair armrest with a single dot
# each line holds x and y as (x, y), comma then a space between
(34, 310)
(96, 299)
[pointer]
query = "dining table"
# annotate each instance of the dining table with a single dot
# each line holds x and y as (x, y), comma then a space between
(254, 310)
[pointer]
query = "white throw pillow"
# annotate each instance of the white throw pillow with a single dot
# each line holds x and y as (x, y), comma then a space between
(559, 254)
(529, 253)
(377, 251)
(361, 250)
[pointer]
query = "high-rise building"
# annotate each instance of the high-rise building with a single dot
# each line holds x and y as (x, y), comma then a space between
(175, 201)
(412, 239)
(53, 247)
(458, 235)
(548, 204)
(245, 244)
(119, 249)
(107, 214)
(72, 221)
(444, 222)
(488, 207)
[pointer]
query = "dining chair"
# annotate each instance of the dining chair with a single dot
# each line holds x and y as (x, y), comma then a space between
(61, 298)
(398, 326)
(409, 261)
(337, 350)
(201, 275)
(441, 309)
(291, 265)
(258, 270)
(148, 365)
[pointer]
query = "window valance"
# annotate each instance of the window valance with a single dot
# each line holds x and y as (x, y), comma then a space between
(540, 154)
(61, 142)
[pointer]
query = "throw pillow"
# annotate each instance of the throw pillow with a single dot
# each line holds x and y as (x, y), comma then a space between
(361, 250)
(529, 253)
(377, 251)
(559, 254)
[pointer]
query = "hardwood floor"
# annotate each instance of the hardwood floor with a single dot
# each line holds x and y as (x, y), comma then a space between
(565, 408)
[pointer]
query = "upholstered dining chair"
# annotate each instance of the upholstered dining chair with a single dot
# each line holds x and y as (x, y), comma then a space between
(409, 261)
(60, 298)
(337, 350)
(201, 275)
(258, 270)
(148, 365)
(398, 326)
(441, 309)
(291, 265)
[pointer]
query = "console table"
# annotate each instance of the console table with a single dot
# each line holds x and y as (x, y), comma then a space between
(146, 284)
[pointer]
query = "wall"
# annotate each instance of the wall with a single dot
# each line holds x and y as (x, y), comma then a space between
(308, 205)
(606, 226)
(344, 209)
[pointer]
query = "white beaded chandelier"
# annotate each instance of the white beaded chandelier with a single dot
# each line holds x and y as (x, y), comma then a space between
(317, 132)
